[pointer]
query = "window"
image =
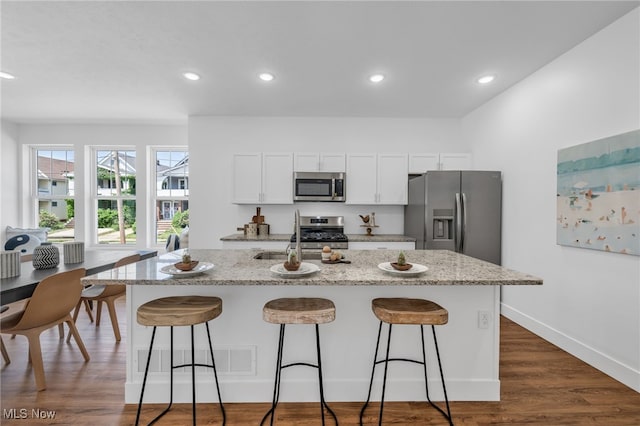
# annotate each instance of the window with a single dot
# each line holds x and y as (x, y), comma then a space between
(54, 192)
(171, 193)
(116, 196)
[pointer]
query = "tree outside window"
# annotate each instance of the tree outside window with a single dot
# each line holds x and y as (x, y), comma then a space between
(116, 190)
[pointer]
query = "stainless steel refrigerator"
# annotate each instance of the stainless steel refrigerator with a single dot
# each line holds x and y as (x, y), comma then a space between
(456, 210)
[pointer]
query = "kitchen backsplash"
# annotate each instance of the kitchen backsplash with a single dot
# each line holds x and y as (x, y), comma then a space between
(390, 219)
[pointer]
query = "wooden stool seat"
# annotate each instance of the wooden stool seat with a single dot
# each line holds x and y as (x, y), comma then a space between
(421, 312)
(176, 311)
(398, 310)
(179, 311)
(301, 310)
(298, 310)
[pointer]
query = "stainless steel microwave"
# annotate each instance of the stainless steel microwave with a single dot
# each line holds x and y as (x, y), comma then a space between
(319, 186)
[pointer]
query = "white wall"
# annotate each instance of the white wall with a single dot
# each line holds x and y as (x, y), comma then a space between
(213, 140)
(9, 200)
(82, 137)
(590, 301)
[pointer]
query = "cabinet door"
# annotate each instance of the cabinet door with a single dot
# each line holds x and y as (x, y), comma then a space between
(247, 178)
(277, 178)
(361, 179)
(455, 161)
(421, 163)
(393, 179)
(306, 162)
(332, 162)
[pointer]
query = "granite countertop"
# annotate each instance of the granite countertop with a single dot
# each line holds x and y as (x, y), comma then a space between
(238, 267)
(351, 237)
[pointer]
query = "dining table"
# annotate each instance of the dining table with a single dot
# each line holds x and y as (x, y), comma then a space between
(95, 261)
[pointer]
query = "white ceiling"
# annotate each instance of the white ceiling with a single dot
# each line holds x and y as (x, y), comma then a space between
(121, 61)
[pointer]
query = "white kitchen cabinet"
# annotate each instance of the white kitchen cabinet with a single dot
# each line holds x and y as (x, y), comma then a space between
(423, 162)
(377, 179)
(455, 161)
(263, 178)
(382, 245)
(319, 162)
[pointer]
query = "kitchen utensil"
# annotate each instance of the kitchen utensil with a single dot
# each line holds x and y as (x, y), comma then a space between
(257, 218)
(252, 229)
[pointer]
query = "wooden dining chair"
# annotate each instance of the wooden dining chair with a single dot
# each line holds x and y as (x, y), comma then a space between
(107, 294)
(50, 305)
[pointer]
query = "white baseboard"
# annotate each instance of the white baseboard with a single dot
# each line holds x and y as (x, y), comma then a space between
(620, 372)
(307, 391)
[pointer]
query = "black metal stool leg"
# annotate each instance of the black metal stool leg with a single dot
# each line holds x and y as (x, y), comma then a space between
(444, 388)
(323, 403)
(424, 364)
(447, 415)
(193, 378)
(215, 375)
(384, 380)
(144, 381)
(276, 381)
(373, 370)
(166, 410)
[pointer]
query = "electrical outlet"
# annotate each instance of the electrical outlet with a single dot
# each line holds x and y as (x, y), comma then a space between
(484, 319)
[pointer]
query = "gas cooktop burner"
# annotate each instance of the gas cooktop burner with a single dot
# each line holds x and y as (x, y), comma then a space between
(320, 236)
(318, 231)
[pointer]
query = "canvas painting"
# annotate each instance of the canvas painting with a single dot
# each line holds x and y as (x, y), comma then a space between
(599, 194)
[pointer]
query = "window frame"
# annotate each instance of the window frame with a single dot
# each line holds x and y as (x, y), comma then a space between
(36, 197)
(153, 197)
(95, 197)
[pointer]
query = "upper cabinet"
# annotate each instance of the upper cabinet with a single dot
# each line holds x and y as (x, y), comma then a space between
(263, 178)
(455, 161)
(423, 162)
(377, 178)
(319, 162)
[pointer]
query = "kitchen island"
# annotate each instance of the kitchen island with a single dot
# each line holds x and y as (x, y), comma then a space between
(245, 345)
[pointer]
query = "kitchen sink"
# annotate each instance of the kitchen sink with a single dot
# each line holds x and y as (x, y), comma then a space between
(279, 255)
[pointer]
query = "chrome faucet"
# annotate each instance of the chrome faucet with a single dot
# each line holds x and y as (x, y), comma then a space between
(297, 225)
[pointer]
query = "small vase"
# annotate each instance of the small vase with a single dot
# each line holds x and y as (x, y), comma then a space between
(46, 256)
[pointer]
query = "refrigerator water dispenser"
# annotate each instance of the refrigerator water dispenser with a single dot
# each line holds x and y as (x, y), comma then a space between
(442, 224)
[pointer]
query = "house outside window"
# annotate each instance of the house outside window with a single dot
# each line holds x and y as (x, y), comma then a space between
(171, 195)
(54, 191)
(115, 196)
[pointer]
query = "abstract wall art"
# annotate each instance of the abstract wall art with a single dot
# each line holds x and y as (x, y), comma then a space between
(598, 195)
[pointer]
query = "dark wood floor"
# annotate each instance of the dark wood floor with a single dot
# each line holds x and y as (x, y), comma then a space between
(541, 385)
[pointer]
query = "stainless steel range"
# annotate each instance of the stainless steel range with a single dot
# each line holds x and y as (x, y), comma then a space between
(319, 231)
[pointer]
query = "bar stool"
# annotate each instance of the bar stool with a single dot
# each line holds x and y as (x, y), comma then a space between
(408, 311)
(180, 311)
(298, 311)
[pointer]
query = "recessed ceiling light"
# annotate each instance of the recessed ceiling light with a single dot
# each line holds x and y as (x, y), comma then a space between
(266, 76)
(191, 76)
(6, 75)
(486, 79)
(376, 78)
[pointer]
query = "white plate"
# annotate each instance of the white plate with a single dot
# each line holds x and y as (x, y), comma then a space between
(200, 268)
(305, 269)
(416, 269)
